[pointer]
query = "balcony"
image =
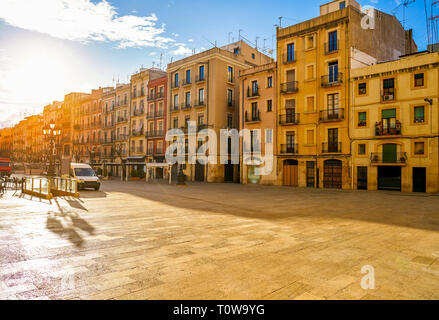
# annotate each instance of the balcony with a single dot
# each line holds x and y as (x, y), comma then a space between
(392, 130)
(199, 103)
(289, 149)
(287, 59)
(332, 80)
(121, 119)
(137, 133)
(252, 93)
(201, 127)
(388, 95)
(289, 119)
(142, 93)
(332, 115)
(175, 85)
(150, 152)
(150, 115)
(289, 87)
(332, 47)
(186, 82)
(186, 106)
(331, 147)
(151, 97)
(77, 127)
(392, 158)
(138, 112)
(254, 117)
(200, 78)
(174, 108)
(108, 141)
(139, 150)
(159, 114)
(134, 95)
(159, 95)
(154, 134)
(121, 137)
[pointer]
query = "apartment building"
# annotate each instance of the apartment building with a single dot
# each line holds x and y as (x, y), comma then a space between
(204, 88)
(139, 101)
(395, 125)
(258, 114)
(70, 124)
(6, 142)
(53, 113)
(108, 125)
(156, 114)
(314, 61)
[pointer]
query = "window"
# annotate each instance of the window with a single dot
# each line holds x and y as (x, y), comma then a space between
(230, 74)
(362, 149)
(255, 88)
(201, 73)
(255, 111)
(310, 137)
(362, 88)
(186, 121)
(236, 51)
(333, 101)
(310, 72)
(253, 56)
(419, 80)
(230, 97)
(419, 148)
(201, 96)
(332, 41)
(200, 119)
(310, 42)
(290, 52)
(362, 119)
(419, 115)
(270, 82)
(268, 135)
(333, 72)
(388, 89)
(176, 101)
(269, 105)
(176, 80)
(188, 98)
(229, 120)
(175, 123)
(310, 104)
(342, 5)
(188, 76)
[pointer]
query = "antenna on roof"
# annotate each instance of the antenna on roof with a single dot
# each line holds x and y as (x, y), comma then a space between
(256, 41)
(161, 58)
(229, 34)
(239, 33)
(280, 22)
(213, 44)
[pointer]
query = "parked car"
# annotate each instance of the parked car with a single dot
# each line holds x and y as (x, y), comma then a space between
(5, 167)
(85, 175)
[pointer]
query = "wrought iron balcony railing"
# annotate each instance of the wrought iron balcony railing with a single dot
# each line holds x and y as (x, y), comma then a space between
(289, 149)
(332, 115)
(289, 119)
(253, 117)
(391, 158)
(335, 147)
(392, 130)
(334, 79)
(289, 87)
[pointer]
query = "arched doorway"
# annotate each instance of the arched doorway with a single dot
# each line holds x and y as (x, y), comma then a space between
(332, 174)
(291, 173)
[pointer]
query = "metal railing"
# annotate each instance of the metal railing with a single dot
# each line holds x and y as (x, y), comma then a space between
(331, 47)
(252, 92)
(286, 59)
(334, 79)
(254, 117)
(332, 115)
(289, 87)
(200, 78)
(200, 103)
(331, 147)
(174, 108)
(286, 119)
(48, 188)
(393, 158)
(289, 149)
(392, 130)
(154, 133)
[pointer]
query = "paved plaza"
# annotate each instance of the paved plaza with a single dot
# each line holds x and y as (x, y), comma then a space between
(218, 241)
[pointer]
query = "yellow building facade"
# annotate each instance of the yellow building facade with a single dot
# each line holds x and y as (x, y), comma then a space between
(258, 114)
(395, 125)
(314, 59)
(204, 88)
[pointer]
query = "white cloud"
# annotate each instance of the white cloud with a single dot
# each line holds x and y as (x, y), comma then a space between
(181, 50)
(84, 21)
(191, 40)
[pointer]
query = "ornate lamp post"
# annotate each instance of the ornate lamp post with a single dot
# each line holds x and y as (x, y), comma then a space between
(51, 132)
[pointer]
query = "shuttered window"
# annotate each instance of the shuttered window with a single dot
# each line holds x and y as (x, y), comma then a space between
(389, 113)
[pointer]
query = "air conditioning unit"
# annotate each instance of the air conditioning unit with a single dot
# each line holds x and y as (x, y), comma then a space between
(388, 97)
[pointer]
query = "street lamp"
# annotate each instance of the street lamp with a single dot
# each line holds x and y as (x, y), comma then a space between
(51, 132)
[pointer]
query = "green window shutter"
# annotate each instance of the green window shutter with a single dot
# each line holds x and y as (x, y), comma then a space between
(389, 113)
(419, 112)
(389, 153)
(362, 116)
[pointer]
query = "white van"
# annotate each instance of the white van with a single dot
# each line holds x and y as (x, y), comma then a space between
(85, 175)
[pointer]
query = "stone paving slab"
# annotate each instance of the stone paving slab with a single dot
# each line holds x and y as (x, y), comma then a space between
(218, 241)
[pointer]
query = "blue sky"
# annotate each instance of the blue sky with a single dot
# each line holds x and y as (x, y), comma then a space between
(48, 49)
